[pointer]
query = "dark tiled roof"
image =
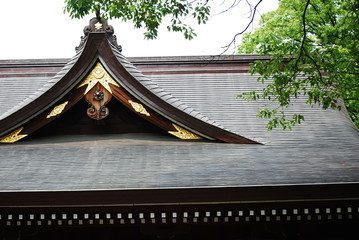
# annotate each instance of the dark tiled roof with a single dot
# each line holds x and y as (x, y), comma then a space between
(324, 149)
(215, 95)
(144, 162)
(24, 81)
(161, 92)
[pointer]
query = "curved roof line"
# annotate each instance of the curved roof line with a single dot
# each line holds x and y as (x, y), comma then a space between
(100, 46)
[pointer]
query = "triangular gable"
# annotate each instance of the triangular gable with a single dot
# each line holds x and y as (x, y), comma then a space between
(99, 73)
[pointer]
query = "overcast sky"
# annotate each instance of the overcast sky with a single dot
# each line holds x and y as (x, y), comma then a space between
(39, 29)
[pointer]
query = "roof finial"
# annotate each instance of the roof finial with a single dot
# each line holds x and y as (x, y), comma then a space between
(99, 25)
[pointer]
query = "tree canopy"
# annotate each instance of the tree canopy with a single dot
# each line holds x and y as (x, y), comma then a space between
(314, 53)
(147, 14)
(312, 44)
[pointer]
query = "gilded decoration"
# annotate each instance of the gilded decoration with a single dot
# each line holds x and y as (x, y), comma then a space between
(98, 26)
(13, 137)
(183, 133)
(57, 110)
(139, 108)
(98, 75)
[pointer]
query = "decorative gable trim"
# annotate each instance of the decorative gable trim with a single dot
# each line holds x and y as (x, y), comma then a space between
(98, 75)
(13, 137)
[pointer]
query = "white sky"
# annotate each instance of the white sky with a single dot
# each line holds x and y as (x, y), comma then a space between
(39, 29)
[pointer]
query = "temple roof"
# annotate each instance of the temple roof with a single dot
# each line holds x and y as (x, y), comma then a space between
(323, 149)
(101, 67)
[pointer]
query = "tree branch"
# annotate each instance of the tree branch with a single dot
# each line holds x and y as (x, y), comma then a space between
(234, 4)
(316, 67)
(301, 49)
(245, 29)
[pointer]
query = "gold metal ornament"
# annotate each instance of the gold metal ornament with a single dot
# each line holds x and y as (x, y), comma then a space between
(98, 26)
(183, 133)
(139, 108)
(57, 110)
(98, 75)
(13, 137)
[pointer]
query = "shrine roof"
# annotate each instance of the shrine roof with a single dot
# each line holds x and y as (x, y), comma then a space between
(323, 149)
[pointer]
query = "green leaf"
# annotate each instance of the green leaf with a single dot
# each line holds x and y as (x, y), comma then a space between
(147, 14)
(313, 45)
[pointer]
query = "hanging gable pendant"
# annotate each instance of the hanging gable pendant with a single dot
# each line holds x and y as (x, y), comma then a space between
(98, 92)
(98, 97)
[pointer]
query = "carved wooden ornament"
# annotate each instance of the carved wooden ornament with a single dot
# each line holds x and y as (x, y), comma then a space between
(98, 92)
(98, 96)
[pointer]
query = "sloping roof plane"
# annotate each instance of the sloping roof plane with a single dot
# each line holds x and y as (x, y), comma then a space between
(310, 169)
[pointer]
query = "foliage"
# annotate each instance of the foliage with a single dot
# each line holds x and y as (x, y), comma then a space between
(148, 14)
(314, 53)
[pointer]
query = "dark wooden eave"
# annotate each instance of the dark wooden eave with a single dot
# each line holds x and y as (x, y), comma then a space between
(175, 210)
(330, 192)
(98, 48)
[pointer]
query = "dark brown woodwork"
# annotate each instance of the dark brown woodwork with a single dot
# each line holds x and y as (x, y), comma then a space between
(185, 196)
(41, 120)
(76, 122)
(123, 96)
(98, 97)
